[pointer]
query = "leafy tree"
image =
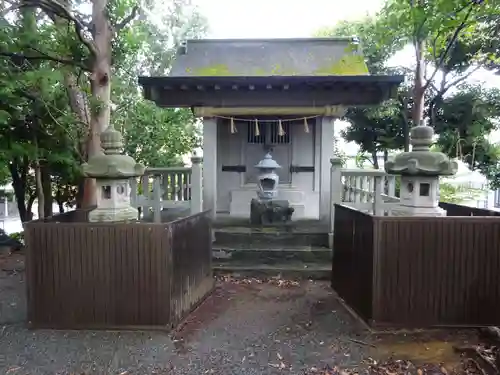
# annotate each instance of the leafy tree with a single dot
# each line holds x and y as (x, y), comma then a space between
(375, 130)
(453, 55)
(69, 61)
(433, 29)
(157, 138)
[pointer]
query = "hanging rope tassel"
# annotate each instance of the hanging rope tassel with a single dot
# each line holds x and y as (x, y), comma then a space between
(257, 131)
(306, 125)
(281, 132)
(233, 127)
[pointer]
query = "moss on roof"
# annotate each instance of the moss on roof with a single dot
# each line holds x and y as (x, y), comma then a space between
(303, 57)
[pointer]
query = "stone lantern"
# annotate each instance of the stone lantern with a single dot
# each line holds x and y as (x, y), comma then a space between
(268, 179)
(266, 209)
(420, 170)
(112, 171)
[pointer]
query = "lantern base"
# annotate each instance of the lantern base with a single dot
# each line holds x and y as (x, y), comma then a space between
(266, 212)
(417, 211)
(113, 214)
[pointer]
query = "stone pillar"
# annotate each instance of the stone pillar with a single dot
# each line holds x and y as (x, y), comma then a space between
(335, 193)
(326, 153)
(210, 165)
(196, 185)
(420, 170)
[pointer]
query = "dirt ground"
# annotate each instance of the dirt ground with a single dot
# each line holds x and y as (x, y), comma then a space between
(245, 327)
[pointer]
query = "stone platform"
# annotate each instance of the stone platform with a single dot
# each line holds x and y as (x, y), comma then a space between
(297, 249)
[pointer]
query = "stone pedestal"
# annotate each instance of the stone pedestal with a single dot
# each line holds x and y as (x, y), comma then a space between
(270, 212)
(266, 209)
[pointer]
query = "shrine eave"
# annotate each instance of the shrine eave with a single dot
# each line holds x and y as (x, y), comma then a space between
(221, 91)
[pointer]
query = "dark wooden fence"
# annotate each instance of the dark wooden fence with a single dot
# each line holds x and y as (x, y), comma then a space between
(416, 271)
(459, 210)
(116, 275)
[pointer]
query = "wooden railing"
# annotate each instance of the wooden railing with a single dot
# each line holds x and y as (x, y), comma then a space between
(178, 187)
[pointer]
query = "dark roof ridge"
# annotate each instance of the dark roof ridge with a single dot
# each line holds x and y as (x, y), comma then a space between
(267, 40)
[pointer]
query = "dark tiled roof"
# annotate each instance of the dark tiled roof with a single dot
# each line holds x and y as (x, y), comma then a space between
(268, 57)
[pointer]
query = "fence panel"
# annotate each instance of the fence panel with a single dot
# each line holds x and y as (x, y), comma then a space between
(459, 210)
(352, 264)
(437, 271)
(191, 263)
(96, 275)
(116, 275)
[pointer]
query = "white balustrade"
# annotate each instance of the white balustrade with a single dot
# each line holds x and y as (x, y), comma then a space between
(161, 188)
(368, 190)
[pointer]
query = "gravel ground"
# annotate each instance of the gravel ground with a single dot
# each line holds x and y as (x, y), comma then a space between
(256, 328)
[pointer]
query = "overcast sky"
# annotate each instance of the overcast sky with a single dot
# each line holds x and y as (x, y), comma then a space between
(279, 18)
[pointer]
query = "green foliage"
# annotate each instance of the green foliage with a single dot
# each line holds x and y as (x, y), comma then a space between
(18, 236)
(463, 116)
(463, 122)
(157, 138)
(452, 193)
(339, 153)
(371, 34)
(375, 129)
(37, 124)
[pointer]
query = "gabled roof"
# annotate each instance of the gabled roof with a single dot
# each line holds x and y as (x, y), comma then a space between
(269, 72)
(269, 57)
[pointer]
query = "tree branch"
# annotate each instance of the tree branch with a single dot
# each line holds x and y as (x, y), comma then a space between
(54, 6)
(6, 11)
(448, 46)
(43, 57)
(126, 20)
(460, 79)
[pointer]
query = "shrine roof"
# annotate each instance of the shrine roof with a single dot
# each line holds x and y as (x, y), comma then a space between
(269, 57)
(257, 72)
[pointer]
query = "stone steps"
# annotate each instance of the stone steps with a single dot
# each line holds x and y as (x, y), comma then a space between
(270, 254)
(288, 270)
(269, 237)
(271, 251)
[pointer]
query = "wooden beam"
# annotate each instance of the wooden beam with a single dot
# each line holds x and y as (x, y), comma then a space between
(242, 97)
(335, 111)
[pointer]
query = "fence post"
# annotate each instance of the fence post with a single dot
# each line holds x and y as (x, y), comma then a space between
(196, 185)
(377, 196)
(157, 193)
(335, 193)
(6, 206)
(145, 193)
(133, 192)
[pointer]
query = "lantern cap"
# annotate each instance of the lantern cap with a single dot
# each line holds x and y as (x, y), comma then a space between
(267, 163)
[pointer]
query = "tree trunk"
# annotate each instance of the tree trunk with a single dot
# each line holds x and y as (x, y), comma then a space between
(29, 207)
(100, 84)
(19, 174)
(80, 106)
(39, 189)
(375, 160)
(419, 85)
(47, 190)
(406, 129)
